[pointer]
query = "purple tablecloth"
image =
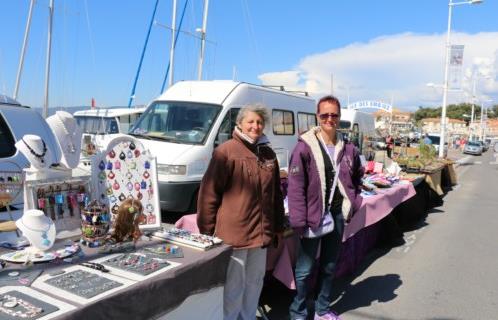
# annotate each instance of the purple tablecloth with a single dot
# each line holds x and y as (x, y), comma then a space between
(359, 235)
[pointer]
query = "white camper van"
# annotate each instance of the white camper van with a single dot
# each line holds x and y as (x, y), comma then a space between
(356, 125)
(185, 124)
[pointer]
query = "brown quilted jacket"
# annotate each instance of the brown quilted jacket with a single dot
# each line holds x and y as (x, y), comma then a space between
(240, 199)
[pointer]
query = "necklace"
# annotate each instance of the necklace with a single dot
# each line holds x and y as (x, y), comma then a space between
(33, 152)
(46, 242)
(70, 147)
(9, 303)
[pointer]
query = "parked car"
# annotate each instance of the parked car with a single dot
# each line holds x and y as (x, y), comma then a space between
(378, 143)
(473, 147)
(485, 145)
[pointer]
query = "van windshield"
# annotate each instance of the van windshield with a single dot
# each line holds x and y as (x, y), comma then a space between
(97, 125)
(180, 122)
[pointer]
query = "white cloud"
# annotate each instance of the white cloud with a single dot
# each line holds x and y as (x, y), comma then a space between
(395, 67)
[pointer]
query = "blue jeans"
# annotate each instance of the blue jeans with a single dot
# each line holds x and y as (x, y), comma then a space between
(329, 245)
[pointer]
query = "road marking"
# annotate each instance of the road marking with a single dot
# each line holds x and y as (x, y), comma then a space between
(463, 160)
(477, 162)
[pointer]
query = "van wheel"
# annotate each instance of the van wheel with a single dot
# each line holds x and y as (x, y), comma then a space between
(193, 203)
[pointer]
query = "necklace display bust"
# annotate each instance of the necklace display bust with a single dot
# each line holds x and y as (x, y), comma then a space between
(36, 151)
(37, 228)
(68, 135)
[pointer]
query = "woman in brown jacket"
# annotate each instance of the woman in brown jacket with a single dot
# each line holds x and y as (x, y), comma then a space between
(240, 202)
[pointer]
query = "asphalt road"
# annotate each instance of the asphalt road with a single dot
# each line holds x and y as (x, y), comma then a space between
(446, 270)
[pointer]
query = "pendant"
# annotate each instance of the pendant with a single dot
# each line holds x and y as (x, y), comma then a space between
(137, 153)
(112, 154)
(129, 175)
(111, 175)
(113, 198)
(45, 240)
(146, 174)
(109, 165)
(117, 165)
(102, 175)
(122, 156)
(115, 186)
(129, 185)
(101, 165)
(132, 145)
(149, 208)
(115, 209)
(137, 186)
(109, 191)
(139, 195)
(129, 154)
(122, 197)
(147, 165)
(143, 185)
(133, 165)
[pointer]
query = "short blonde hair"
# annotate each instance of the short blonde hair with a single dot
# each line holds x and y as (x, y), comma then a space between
(257, 108)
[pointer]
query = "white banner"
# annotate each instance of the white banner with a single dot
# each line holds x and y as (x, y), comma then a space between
(455, 72)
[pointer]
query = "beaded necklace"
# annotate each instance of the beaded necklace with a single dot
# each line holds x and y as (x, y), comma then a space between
(33, 152)
(10, 302)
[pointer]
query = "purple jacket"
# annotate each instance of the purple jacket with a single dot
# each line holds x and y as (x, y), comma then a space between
(306, 192)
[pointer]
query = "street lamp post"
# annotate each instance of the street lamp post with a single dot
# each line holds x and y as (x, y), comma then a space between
(446, 71)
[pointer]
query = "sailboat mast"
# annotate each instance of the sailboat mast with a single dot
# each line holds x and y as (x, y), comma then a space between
(49, 49)
(173, 44)
(203, 38)
(23, 50)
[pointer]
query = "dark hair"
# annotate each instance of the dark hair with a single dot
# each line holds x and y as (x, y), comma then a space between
(330, 99)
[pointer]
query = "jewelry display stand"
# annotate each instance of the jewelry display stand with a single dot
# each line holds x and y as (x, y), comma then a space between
(38, 229)
(81, 285)
(126, 170)
(137, 265)
(11, 184)
(30, 304)
(35, 150)
(60, 196)
(187, 238)
(68, 135)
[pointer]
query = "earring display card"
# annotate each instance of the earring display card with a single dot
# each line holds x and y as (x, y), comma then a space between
(167, 251)
(127, 170)
(16, 277)
(187, 238)
(80, 284)
(137, 265)
(22, 302)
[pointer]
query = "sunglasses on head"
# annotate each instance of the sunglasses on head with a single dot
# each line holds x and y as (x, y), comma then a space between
(325, 116)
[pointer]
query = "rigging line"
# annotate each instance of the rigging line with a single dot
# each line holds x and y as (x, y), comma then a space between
(251, 33)
(176, 41)
(132, 95)
(92, 47)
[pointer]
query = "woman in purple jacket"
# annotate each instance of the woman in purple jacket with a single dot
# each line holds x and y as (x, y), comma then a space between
(324, 191)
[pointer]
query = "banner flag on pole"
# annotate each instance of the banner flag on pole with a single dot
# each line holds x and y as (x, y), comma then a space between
(456, 62)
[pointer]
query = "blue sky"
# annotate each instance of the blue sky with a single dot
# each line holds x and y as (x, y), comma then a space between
(382, 50)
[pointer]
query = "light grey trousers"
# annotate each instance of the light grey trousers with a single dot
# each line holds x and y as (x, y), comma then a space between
(245, 275)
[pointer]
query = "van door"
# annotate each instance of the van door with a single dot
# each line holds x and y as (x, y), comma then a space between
(227, 126)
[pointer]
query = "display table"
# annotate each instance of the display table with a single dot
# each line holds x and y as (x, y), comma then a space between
(359, 235)
(195, 285)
